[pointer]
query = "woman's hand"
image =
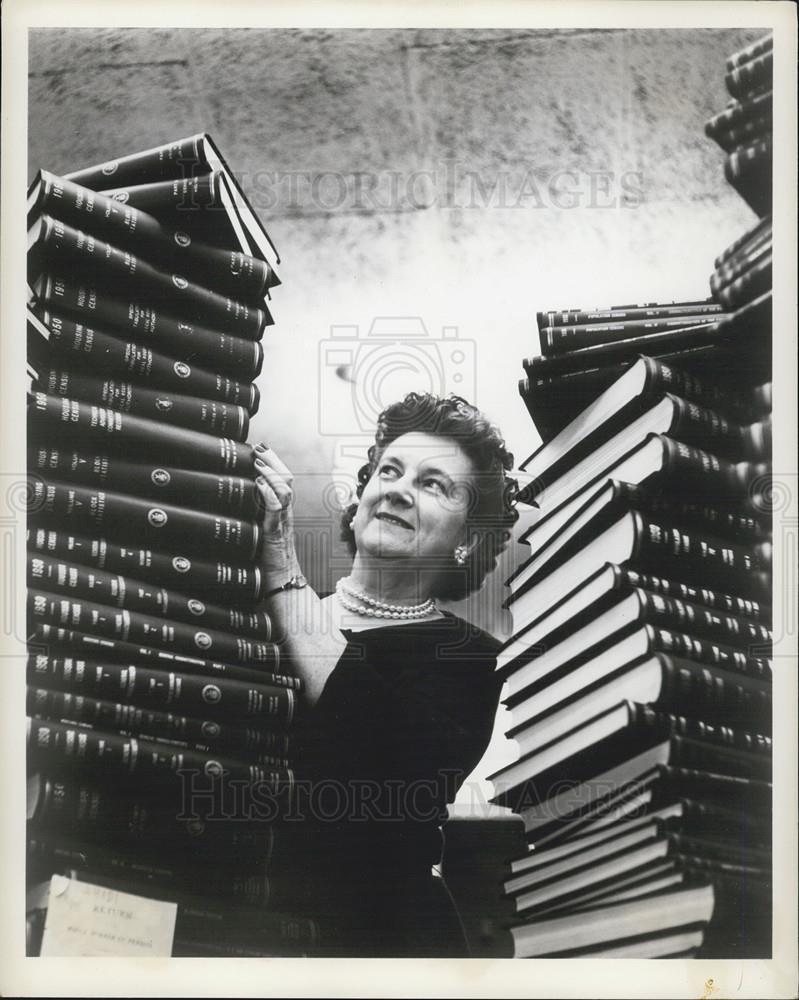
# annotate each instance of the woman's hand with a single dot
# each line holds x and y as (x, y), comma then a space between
(274, 482)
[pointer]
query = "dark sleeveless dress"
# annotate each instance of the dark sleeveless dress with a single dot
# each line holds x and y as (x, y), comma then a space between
(403, 719)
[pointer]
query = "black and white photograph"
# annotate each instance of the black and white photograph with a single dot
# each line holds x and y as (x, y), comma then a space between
(399, 499)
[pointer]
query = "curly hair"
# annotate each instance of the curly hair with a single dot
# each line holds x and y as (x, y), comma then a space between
(492, 511)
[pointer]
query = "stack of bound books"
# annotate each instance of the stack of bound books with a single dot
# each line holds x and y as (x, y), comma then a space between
(638, 677)
(158, 705)
(744, 128)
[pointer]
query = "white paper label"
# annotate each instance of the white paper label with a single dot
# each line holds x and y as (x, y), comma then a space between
(85, 919)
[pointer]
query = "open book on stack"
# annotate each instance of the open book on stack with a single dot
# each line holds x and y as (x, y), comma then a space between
(154, 684)
(638, 679)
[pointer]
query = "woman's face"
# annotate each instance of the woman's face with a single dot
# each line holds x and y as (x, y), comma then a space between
(416, 503)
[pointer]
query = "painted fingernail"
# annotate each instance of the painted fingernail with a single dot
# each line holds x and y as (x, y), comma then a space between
(261, 446)
(260, 463)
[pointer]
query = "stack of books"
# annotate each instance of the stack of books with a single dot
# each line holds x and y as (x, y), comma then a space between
(156, 695)
(744, 128)
(639, 676)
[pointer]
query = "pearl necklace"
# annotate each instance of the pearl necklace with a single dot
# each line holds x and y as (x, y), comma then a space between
(362, 604)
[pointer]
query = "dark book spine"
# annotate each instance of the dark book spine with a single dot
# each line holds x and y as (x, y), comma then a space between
(132, 626)
(182, 158)
(753, 282)
(738, 266)
(99, 425)
(752, 237)
(119, 591)
(206, 415)
(202, 490)
(753, 51)
(74, 806)
(757, 669)
(223, 581)
(645, 717)
(748, 132)
(75, 343)
(695, 620)
(130, 315)
(735, 116)
(49, 640)
(560, 339)
(170, 690)
(706, 428)
(740, 607)
(739, 527)
(731, 790)
(664, 377)
(186, 202)
(48, 855)
(166, 527)
(228, 271)
(701, 559)
(190, 733)
(711, 694)
(751, 76)
(58, 744)
(624, 314)
(123, 273)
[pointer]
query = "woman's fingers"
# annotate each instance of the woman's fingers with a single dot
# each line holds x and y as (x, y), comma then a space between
(268, 456)
(276, 482)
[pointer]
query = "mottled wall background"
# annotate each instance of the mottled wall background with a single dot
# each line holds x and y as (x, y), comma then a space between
(463, 179)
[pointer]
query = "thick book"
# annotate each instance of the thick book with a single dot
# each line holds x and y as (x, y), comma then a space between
(625, 314)
(642, 384)
(755, 235)
(737, 265)
(751, 76)
(117, 757)
(74, 580)
(590, 806)
(609, 751)
(719, 640)
(210, 416)
(233, 495)
(221, 581)
(190, 732)
(748, 169)
(98, 425)
(166, 527)
(231, 272)
(53, 244)
(636, 668)
(212, 827)
(174, 161)
(57, 340)
(754, 281)
(740, 112)
(749, 131)
(104, 620)
(630, 485)
(89, 302)
(50, 640)
(671, 416)
(199, 697)
(562, 339)
(650, 546)
(676, 909)
(610, 583)
(705, 490)
(749, 52)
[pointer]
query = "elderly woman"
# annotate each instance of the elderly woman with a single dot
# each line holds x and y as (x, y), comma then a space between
(401, 696)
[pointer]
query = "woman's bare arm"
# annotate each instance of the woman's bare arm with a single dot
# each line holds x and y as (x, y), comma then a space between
(300, 620)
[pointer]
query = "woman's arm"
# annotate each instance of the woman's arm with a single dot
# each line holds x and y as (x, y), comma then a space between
(300, 620)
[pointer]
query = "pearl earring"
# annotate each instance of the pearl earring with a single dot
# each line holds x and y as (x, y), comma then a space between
(461, 554)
